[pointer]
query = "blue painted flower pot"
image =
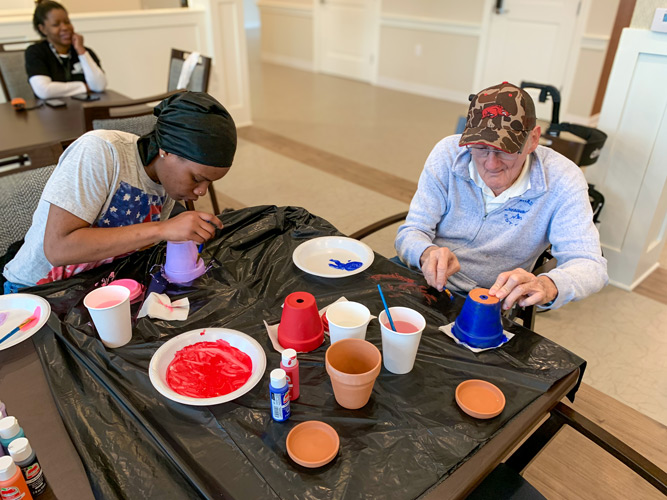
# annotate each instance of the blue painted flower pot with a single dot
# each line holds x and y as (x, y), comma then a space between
(479, 323)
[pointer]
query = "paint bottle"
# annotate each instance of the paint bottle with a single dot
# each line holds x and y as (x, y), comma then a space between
(12, 484)
(3, 410)
(290, 365)
(21, 451)
(9, 431)
(280, 409)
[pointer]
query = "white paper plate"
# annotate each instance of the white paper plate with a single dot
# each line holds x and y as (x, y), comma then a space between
(19, 306)
(157, 370)
(315, 256)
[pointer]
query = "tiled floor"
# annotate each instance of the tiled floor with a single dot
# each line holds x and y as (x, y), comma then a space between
(335, 146)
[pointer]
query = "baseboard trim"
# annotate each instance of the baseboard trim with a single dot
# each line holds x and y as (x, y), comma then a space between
(292, 62)
(425, 90)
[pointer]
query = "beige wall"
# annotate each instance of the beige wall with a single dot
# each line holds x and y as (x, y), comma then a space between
(76, 6)
(451, 10)
(432, 65)
(601, 17)
(642, 17)
(591, 57)
(431, 46)
(287, 36)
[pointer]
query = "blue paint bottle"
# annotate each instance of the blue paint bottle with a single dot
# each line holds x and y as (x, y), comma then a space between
(9, 431)
(280, 407)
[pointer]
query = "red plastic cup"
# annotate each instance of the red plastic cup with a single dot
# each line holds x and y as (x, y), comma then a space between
(300, 327)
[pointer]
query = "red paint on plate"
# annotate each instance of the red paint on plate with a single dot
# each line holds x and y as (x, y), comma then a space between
(208, 370)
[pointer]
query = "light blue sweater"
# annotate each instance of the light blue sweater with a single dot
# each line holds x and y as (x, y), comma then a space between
(448, 210)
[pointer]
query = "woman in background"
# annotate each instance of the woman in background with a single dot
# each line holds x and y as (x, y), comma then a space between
(60, 65)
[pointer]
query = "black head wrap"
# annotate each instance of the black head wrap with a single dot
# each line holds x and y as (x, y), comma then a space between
(194, 126)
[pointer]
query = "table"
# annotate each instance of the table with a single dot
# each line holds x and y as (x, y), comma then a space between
(410, 440)
(23, 131)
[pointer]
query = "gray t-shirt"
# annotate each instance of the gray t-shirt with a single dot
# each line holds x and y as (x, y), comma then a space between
(100, 179)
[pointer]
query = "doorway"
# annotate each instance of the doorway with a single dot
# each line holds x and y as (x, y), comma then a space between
(530, 40)
(346, 38)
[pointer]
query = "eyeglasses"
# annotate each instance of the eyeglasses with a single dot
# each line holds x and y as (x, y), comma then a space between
(484, 152)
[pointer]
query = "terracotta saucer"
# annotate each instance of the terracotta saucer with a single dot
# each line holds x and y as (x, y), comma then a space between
(312, 444)
(480, 399)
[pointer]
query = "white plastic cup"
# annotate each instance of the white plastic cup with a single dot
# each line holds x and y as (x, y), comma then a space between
(109, 308)
(347, 320)
(399, 350)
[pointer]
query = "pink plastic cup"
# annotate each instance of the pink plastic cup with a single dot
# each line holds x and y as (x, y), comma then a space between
(136, 289)
(183, 264)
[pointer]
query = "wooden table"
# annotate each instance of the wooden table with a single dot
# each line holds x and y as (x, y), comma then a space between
(24, 131)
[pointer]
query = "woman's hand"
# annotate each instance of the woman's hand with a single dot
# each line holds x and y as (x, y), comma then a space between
(77, 43)
(190, 226)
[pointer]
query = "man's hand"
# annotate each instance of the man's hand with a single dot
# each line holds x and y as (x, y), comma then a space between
(524, 288)
(77, 43)
(192, 225)
(438, 264)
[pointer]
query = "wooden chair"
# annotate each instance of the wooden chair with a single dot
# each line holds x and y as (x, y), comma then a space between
(509, 472)
(132, 116)
(200, 76)
(20, 191)
(13, 76)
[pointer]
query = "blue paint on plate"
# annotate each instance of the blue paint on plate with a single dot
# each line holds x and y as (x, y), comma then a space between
(350, 265)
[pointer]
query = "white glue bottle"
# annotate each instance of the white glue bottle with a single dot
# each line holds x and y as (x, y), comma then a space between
(21, 451)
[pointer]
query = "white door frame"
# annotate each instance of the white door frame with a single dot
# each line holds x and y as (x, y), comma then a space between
(375, 34)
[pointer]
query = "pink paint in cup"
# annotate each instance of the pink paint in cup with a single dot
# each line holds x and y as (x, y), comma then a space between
(399, 348)
(109, 309)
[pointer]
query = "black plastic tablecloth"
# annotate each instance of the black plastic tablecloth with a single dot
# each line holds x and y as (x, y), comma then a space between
(135, 443)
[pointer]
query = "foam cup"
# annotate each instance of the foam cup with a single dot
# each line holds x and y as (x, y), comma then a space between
(399, 350)
(109, 309)
(347, 320)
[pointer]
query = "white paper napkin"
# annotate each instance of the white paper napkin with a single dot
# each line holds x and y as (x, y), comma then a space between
(447, 330)
(160, 306)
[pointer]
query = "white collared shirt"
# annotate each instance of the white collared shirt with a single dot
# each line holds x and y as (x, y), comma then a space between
(491, 201)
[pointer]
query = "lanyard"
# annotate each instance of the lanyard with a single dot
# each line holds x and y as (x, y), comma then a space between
(65, 62)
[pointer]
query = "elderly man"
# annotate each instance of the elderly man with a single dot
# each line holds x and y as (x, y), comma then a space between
(491, 200)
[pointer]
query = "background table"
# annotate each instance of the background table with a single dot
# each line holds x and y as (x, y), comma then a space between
(407, 440)
(23, 131)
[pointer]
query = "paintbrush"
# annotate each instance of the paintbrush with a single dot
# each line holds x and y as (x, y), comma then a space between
(26, 324)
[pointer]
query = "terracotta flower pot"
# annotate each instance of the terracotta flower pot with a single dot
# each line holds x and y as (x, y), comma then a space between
(353, 365)
(300, 326)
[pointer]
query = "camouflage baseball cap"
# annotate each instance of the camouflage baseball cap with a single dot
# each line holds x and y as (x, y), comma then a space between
(501, 116)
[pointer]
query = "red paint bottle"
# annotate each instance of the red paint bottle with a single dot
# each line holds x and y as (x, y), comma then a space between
(290, 364)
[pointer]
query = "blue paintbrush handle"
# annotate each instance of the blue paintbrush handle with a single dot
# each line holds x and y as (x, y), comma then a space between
(386, 309)
(10, 334)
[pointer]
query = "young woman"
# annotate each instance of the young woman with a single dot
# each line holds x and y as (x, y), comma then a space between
(60, 65)
(112, 192)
